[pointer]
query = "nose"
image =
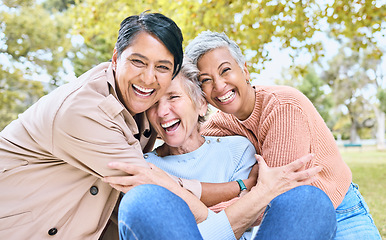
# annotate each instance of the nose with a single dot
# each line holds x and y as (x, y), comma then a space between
(218, 84)
(163, 108)
(149, 76)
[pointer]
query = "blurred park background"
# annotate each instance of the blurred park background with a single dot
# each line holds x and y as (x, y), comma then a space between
(332, 51)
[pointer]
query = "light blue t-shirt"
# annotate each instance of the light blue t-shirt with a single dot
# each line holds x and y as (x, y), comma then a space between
(218, 160)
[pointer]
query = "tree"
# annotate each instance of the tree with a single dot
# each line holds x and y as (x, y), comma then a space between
(252, 24)
(16, 94)
(35, 41)
(380, 111)
(34, 44)
(348, 77)
(361, 25)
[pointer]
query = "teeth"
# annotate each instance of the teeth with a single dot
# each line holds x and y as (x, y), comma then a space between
(147, 91)
(170, 123)
(226, 97)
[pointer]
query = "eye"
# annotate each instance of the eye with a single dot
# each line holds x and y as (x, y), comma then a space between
(225, 70)
(171, 97)
(163, 68)
(137, 62)
(205, 80)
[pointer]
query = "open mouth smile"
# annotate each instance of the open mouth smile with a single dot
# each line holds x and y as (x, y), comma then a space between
(171, 126)
(227, 97)
(143, 92)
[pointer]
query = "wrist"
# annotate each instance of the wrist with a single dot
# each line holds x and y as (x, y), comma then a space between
(242, 186)
(249, 183)
(265, 194)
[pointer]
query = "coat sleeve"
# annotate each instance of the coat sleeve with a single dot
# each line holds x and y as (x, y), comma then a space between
(88, 137)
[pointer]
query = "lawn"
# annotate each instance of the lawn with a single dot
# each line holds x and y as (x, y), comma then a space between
(369, 172)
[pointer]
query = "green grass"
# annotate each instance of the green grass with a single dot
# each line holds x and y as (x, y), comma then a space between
(368, 167)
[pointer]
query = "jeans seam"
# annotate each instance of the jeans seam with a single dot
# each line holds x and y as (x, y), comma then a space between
(132, 233)
(359, 205)
(334, 233)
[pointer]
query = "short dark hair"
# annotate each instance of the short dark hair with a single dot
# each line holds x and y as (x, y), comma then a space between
(157, 24)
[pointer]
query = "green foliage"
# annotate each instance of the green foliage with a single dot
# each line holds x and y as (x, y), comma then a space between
(36, 39)
(16, 95)
(347, 75)
(356, 20)
(252, 24)
(381, 95)
(35, 42)
(315, 89)
(57, 5)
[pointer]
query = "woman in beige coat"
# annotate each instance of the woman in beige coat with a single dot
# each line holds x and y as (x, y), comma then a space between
(53, 156)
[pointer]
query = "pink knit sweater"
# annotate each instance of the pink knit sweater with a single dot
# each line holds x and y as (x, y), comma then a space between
(283, 127)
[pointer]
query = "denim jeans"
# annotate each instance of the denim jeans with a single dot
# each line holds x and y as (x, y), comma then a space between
(153, 212)
(305, 212)
(354, 219)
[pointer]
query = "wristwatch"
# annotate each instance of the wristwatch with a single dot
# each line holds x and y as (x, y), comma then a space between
(241, 185)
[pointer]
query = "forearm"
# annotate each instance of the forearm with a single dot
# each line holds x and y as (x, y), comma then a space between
(244, 212)
(214, 193)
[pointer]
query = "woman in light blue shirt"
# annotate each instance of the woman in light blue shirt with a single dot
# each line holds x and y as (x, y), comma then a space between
(186, 154)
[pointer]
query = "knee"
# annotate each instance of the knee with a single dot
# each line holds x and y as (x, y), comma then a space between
(148, 199)
(306, 196)
(142, 195)
(312, 194)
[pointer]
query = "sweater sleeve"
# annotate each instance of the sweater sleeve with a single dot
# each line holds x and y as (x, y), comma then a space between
(243, 158)
(216, 226)
(286, 134)
(212, 128)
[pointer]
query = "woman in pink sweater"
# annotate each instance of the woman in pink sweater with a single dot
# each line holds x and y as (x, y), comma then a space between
(282, 124)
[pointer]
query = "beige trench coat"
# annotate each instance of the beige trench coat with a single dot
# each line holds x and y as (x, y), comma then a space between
(53, 156)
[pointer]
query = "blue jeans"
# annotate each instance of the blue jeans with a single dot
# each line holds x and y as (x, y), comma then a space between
(305, 212)
(354, 219)
(153, 212)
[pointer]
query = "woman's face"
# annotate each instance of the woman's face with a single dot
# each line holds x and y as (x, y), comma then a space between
(143, 72)
(225, 83)
(175, 116)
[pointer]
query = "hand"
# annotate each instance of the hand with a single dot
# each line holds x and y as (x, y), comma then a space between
(138, 176)
(252, 178)
(277, 180)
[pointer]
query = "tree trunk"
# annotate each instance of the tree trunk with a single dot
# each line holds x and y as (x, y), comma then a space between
(353, 132)
(380, 130)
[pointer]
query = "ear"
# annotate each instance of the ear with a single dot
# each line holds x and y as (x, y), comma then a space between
(203, 107)
(246, 72)
(114, 58)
